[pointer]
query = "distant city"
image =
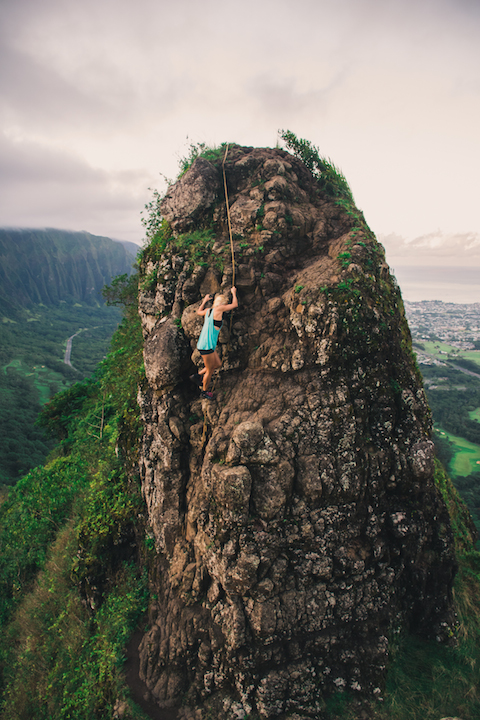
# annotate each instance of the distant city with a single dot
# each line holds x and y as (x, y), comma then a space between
(453, 325)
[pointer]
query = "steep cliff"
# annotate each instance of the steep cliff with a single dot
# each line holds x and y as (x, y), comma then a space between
(295, 518)
(49, 266)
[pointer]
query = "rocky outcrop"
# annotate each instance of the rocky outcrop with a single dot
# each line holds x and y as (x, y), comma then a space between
(295, 517)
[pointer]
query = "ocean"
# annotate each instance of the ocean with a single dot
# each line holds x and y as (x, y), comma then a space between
(449, 284)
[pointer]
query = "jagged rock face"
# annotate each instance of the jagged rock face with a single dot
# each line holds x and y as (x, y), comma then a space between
(295, 517)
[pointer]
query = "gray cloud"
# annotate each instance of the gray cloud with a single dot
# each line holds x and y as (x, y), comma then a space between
(98, 97)
(43, 187)
(433, 249)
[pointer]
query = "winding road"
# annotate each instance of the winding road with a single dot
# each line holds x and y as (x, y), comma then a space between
(68, 349)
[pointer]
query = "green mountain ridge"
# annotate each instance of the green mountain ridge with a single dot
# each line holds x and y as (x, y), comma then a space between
(50, 289)
(50, 266)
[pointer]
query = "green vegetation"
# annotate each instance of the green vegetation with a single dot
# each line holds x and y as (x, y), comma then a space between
(454, 398)
(330, 179)
(67, 663)
(466, 457)
(195, 246)
(151, 216)
(51, 266)
(470, 359)
(196, 150)
(345, 258)
(452, 395)
(462, 459)
(32, 370)
(71, 585)
(50, 289)
(474, 414)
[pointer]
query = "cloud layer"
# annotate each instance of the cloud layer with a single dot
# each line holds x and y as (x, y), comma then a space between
(100, 97)
(434, 250)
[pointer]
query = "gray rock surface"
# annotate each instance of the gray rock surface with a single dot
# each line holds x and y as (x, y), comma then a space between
(296, 521)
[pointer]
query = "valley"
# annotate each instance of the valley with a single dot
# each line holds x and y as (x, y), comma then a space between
(50, 291)
(446, 339)
(32, 370)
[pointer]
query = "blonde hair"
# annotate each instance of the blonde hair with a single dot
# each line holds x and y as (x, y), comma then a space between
(220, 300)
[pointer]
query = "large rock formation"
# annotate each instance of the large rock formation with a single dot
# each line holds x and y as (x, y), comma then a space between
(295, 517)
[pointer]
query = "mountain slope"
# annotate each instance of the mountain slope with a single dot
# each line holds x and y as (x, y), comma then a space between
(50, 290)
(48, 266)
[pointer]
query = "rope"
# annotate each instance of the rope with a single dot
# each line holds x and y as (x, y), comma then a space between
(204, 434)
(228, 215)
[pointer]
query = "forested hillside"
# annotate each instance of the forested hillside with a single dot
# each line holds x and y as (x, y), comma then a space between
(50, 290)
(52, 266)
(446, 338)
(71, 583)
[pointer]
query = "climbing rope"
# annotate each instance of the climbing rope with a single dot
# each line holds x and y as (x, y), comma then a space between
(232, 250)
(228, 215)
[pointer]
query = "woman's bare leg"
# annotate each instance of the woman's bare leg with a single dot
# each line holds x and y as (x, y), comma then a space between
(212, 362)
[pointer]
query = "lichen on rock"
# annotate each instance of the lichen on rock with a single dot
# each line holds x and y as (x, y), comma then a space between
(296, 520)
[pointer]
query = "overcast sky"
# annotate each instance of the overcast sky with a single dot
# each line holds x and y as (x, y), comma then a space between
(100, 98)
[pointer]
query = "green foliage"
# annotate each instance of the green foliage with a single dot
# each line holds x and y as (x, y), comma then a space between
(158, 239)
(30, 517)
(59, 415)
(57, 658)
(196, 150)
(152, 216)
(106, 516)
(194, 246)
(66, 662)
(345, 258)
(22, 444)
(52, 266)
(149, 283)
(465, 363)
(31, 354)
(452, 399)
(460, 518)
(122, 291)
(443, 448)
(469, 489)
(122, 373)
(330, 179)
(427, 681)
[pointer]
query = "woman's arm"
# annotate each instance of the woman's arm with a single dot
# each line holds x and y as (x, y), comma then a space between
(232, 305)
(201, 310)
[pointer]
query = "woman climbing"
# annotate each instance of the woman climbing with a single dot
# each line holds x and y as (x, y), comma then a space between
(207, 342)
